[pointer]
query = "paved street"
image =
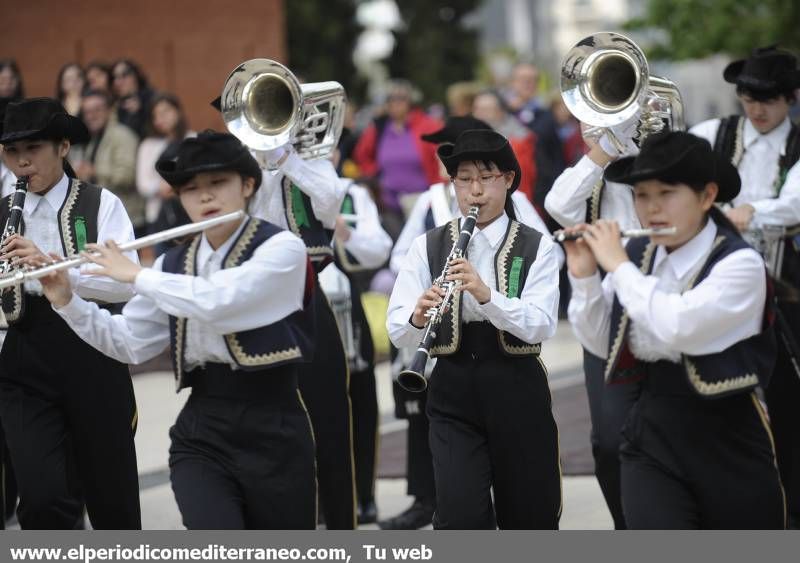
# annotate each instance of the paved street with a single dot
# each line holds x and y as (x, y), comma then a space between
(583, 504)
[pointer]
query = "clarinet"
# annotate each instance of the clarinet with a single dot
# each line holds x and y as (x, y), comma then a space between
(413, 377)
(14, 221)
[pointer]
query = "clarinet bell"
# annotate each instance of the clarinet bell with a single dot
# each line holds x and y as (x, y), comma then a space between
(413, 377)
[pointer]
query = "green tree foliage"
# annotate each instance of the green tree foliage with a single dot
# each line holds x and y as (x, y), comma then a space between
(435, 49)
(696, 28)
(321, 36)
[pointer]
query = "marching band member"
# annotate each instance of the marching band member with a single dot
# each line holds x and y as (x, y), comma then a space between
(434, 208)
(233, 305)
(304, 197)
(491, 426)
(68, 411)
(690, 313)
(581, 195)
(360, 245)
(765, 147)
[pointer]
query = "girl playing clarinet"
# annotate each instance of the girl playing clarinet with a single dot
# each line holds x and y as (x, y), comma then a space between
(491, 427)
(231, 304)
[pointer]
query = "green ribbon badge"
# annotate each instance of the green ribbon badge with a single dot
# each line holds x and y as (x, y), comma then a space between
(299, 208)
(80, 233)
(347, 208)
(513, 276)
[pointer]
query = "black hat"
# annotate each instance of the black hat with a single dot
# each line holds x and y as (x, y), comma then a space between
(41, 118)
(481, 145)
(676, 157)
(766, 69)
(453, 127)
(207, 152)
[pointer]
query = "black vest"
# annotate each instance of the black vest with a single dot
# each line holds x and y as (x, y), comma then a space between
(77, 227)
(737, 369)
(302, 222)
(512, 261)
(593, 202)
(287, 341)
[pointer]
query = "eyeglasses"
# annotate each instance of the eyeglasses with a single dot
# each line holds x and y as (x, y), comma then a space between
(483, 180)
(122, 74)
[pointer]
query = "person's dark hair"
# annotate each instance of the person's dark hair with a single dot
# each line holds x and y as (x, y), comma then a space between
(496, 95)
(103, 67)
(19, 93)
(508, 207)
(180, 128)
(64, 69)
(105, 96)
(141, 79)
(766, 95)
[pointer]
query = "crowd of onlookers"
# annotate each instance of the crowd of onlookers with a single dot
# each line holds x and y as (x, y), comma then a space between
(131, 123)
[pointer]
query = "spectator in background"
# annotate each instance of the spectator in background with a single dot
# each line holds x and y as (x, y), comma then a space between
(133, 95)
(70, 85)
(524, 102)
(569, 132)
(488, 106)
(98, 77)
(391, 150)
(10, 80)
(460, 96)
(109, 158)
(166, 127)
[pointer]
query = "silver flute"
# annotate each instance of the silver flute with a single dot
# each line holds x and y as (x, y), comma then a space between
(20, 276)
(561, 236)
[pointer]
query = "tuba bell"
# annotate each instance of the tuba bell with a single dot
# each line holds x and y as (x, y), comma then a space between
(265, 106)
(605, 81)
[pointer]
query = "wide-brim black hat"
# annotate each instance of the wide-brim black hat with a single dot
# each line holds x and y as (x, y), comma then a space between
(676, 157)
(453, 127)
(41, 118)
(207, 152)
(481, 145)
(767, 69)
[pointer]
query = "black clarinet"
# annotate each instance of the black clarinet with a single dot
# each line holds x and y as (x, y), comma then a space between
(413, 377)
(14, 221)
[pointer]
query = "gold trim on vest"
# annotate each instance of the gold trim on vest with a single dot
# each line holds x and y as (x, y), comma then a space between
(316, 253)
(189, 268)
(455, 309)
(65, 219)
(594, 200)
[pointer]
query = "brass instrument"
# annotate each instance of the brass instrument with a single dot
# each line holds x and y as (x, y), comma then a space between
(413, 377)
(265, 107)
(14, 221)
(20, 276)
(561, 236)
(606, 81)
(769, 242)
(337, 288)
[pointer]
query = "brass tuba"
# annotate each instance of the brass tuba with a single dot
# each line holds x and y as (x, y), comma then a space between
(265, 106)
(605, 81)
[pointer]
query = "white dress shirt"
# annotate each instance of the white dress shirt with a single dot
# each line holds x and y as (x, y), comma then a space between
(531, 317)
(445, 207)
(263, 290)
(368, 242)
(8, 181)
(566, 200)
(759, 171)
(40, 216)
(315, 178)
(668, 320)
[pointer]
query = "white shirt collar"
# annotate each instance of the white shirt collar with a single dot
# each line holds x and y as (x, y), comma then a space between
(776, 138)
(495, 231)
(686, 257)
(55, 197)
(205, 251)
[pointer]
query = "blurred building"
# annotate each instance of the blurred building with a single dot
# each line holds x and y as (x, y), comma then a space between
(187, 47)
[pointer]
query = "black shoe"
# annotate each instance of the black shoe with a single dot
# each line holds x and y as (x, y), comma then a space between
(367, 513)
(418, 515)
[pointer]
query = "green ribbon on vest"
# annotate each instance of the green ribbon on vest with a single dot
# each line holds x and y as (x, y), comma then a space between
(80, 233)
(347, 208)
(299, 208)
(513, 276)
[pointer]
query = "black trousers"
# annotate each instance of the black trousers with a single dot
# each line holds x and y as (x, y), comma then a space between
(609, 406)
(324, 386)
(242, 452)
(694, 463)
(783, 402)
(492, 429)
(69, 417)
